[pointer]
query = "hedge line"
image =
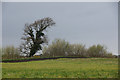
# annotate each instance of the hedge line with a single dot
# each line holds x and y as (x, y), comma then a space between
(35, 59)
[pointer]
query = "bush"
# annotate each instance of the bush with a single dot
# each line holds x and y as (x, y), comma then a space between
(10, 52)
(78, 50)
(98, 51)
(63, 48)
(110, 55)
(57, 48)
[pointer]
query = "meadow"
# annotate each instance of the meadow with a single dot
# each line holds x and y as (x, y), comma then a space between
(63, 68)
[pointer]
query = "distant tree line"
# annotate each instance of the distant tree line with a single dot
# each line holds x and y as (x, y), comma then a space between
(63, 48)
(10, 52)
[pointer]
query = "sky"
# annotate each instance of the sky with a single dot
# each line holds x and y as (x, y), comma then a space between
(88, 23)
(0, 24)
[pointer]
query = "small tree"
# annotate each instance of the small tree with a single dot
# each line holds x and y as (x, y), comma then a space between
(10, 52)
(34, 36)
(97, 51)
(78, 50)
(61, 47)
(57, 48)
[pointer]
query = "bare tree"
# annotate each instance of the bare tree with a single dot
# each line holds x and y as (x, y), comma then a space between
(34, 36)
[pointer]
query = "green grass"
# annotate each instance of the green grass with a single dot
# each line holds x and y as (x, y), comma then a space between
(63, 68)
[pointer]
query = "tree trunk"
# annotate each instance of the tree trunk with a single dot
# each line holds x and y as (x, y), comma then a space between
(32, 52)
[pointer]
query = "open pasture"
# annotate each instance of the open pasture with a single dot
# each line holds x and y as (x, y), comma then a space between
(63, 68)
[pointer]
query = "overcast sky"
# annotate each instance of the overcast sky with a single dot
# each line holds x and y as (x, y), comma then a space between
(87, 23)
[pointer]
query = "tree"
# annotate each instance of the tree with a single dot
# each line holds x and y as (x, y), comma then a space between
(58, 47)
(34, 36)
(61, 47)
(78, 50)
(97, 51)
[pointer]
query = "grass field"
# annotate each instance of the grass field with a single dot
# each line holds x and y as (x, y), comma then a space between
(63, 68)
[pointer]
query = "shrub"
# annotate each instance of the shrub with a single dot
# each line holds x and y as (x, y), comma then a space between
(78, 50)
(63, 48)
(109, 55)
(10, 52)
(98, 51)
(57, 48)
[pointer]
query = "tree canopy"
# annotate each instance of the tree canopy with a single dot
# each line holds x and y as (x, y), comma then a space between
(34, 36)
